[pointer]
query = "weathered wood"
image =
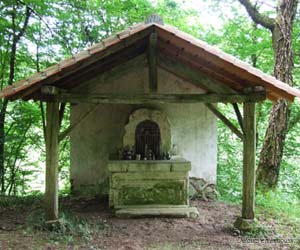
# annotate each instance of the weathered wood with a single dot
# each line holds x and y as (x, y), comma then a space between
(156, 98)
(112, 50)
(65, 133)
(224, 120)
(193, 75)
(52, 147)
(152, 62)
(238, 115)
(168, 49)
(43, 118)
(249, 161)
(49, 90)
(236, 68)
(138, 62)
(61, 112)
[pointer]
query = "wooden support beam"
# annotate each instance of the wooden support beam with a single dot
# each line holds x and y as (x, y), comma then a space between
(61, 112)
(224, 120)
(152, 62)
(249, 161)
(248, 206)
(52, 147)
(64, 134)
(238, 115)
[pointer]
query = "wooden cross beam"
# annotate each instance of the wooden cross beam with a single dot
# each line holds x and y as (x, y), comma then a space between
(64, 96)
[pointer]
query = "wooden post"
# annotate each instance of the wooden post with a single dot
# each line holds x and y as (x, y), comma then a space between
(248, 205)
(52, 144)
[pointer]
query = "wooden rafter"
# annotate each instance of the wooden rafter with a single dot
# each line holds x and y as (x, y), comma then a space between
(206, 67)
(70, 71)
(152, 62)
(224, 61)
(194, 76)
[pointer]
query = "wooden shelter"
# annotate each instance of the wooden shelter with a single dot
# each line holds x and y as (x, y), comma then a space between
(222, 77)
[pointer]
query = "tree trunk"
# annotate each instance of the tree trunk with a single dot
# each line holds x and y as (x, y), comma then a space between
(2, 140)
(271, 152)
(281, 28)
(17, 35)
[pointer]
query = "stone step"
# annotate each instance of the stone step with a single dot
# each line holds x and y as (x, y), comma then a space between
(176, 212)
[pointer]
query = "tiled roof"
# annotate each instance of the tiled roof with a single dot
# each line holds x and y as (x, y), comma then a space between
(226, 65)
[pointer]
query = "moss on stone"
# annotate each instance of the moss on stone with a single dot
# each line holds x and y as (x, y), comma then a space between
(161, 193)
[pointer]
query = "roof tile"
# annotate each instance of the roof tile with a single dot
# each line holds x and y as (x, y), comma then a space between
(82, 55)
(124, 33)
(97, 48)
(52, 70)
(111, 40)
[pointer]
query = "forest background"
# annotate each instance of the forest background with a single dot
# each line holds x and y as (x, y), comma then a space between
(35, 34)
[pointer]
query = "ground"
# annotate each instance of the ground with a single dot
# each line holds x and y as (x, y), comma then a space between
(88, 224)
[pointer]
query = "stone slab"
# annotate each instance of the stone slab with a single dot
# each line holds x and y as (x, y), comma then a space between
(181, 167)
(178, 165)
(152, 167)
(140, 212)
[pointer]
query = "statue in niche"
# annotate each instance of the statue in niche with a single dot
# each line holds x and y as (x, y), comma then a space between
(147, 140)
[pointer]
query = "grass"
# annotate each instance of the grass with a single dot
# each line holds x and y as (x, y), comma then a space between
(20, 201)
(69, 228)
(272, 208)
(280, 203)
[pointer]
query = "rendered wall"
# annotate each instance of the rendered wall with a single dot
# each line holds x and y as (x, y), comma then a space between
(193, 127)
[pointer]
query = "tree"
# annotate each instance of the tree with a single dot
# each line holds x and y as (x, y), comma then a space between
(15, 31)
(281, 28)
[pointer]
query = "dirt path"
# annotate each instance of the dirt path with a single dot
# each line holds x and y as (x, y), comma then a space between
(212, 231)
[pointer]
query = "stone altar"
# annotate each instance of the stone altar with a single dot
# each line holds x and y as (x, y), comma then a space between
(150, 188)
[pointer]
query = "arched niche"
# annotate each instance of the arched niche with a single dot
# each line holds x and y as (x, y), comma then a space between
(156, 116)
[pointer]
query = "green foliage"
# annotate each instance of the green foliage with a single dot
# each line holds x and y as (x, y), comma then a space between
(23, 141)
(18, 202)
(280, 202)
(240, 37)
(230, 164)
